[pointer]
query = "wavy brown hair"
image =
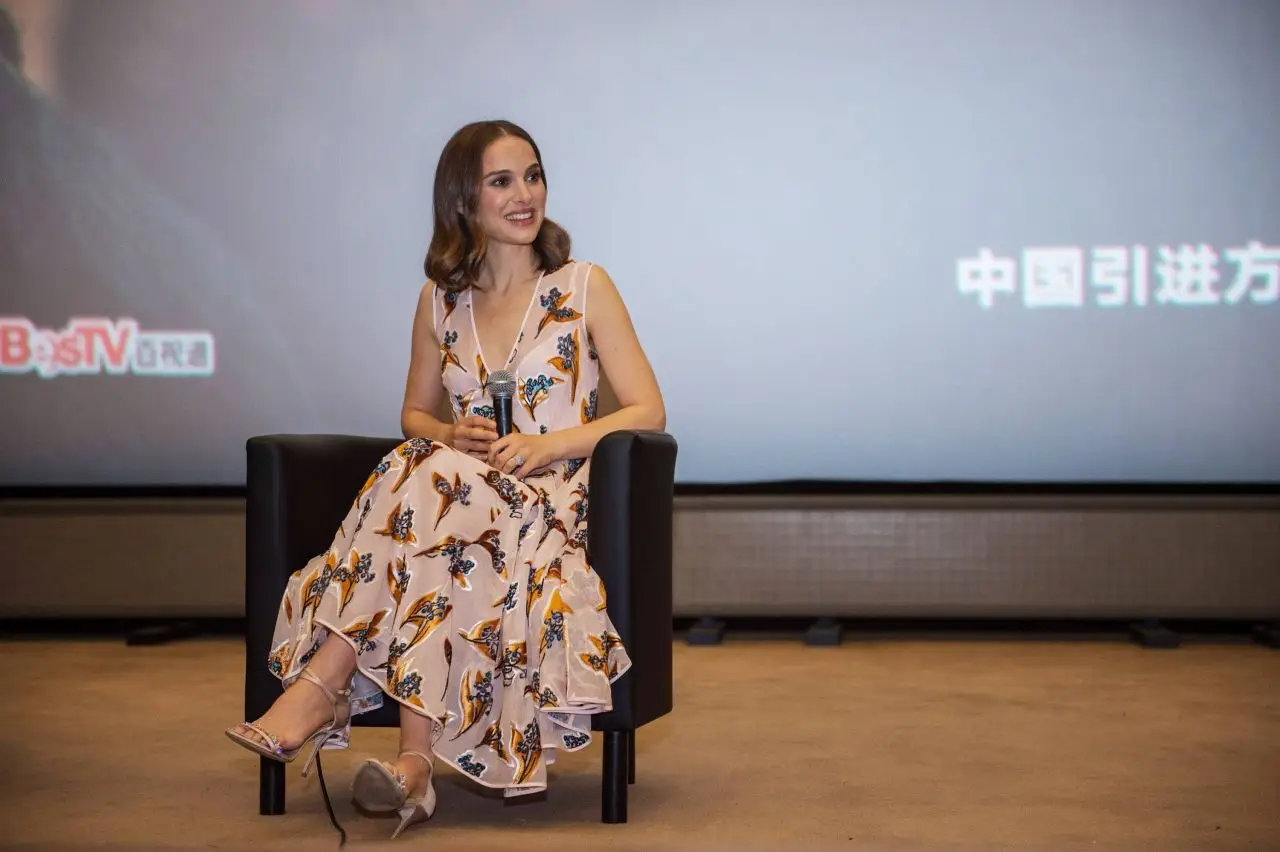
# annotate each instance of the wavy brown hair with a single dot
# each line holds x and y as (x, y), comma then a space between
(457, 247)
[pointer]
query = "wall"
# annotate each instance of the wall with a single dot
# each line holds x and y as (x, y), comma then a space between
(1027, 557)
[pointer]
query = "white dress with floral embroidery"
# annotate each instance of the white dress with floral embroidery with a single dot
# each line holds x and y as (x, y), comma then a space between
(467, 593)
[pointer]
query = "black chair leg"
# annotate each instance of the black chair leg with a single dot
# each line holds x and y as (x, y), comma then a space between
(270, 787)
(614, 783)
(631, 756)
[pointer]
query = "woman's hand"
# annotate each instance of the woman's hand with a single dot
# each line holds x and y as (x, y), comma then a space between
(474, 435)
(520, 455)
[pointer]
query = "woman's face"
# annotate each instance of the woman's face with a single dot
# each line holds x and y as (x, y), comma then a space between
(513, 197)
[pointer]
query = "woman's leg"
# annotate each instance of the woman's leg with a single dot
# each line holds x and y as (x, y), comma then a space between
(415, 736)
(303, 708)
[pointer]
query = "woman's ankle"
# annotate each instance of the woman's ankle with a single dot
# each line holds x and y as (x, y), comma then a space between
(334, 663)
(411, 760)
(415, 773)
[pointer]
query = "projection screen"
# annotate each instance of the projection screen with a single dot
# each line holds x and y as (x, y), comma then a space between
(884, 240)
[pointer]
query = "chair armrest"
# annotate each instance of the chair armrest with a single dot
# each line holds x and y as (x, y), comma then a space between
(298, 488)
(631, 502)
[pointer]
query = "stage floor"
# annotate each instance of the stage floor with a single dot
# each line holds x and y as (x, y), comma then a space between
(894, 745)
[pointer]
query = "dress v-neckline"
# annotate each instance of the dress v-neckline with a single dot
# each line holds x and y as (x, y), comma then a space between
(515, 345)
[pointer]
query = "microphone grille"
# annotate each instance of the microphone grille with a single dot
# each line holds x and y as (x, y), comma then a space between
(501, 384)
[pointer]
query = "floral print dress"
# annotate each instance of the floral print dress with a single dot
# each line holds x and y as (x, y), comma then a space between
(467, 593)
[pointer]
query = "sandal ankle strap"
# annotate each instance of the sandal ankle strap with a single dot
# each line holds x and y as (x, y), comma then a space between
(331, 694)
(426, 758)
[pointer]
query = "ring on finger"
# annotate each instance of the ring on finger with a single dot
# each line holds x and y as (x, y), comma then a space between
(519, 460)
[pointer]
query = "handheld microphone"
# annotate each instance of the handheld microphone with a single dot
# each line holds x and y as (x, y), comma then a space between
(501, 387)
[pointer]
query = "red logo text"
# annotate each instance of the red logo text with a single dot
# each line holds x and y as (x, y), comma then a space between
(94, 345)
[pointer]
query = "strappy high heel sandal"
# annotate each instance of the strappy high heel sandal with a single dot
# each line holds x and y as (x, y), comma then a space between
(379, 790)
(270, 747)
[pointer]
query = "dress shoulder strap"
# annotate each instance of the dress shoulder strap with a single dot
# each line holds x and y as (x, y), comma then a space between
(443, 304)
(582, 270)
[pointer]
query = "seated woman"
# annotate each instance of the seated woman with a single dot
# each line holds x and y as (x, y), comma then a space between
(458, 582)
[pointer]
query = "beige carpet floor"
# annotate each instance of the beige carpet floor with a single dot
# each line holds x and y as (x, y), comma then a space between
(904, 745)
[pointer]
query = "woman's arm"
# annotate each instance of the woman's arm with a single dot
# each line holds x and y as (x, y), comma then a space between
(625, 365)
(424, 387)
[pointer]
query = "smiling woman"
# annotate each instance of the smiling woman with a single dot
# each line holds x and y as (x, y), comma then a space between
(462, 534)
(490, 181)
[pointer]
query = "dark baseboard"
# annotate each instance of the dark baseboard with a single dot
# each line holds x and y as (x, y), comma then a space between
(960, 629)
(714, 629)
(134, 630)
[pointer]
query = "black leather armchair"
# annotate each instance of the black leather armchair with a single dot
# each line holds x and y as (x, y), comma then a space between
(300, 486)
